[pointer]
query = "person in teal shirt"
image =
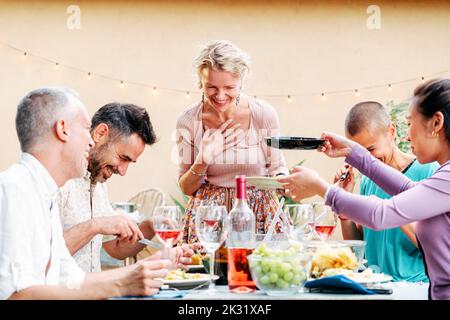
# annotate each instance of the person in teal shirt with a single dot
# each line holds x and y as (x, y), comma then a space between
(392, 251)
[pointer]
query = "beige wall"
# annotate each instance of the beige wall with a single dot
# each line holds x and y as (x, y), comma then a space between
(296, 47)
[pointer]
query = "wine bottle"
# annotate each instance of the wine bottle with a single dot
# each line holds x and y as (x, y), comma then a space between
(241, 240)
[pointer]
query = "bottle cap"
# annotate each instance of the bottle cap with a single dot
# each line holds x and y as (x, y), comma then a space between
(241, 187)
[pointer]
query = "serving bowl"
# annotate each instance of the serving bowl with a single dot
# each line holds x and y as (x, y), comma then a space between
(279, 271)
(330, 258)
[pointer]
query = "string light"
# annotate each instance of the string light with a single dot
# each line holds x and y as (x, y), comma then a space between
(25, 55)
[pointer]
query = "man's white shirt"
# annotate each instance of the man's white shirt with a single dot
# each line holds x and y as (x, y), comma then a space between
(30, 231)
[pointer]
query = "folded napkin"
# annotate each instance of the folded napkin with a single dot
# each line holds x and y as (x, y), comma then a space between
(162, 294)
(337, 284)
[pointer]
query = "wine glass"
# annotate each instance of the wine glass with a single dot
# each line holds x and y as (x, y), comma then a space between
(168, 223)
(211, 229)
(301, 221)
(325, 220)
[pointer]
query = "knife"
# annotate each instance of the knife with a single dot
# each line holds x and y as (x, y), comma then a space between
(151, 243)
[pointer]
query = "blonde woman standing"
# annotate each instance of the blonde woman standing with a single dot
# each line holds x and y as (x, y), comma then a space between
(222, 136)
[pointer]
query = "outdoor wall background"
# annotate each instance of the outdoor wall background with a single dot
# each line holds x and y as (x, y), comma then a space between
(296, 47)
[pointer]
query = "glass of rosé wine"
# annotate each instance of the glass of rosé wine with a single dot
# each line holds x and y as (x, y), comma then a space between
(168, 222)
(325, 220)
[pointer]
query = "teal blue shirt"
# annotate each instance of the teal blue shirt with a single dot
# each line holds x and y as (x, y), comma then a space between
(390, 251)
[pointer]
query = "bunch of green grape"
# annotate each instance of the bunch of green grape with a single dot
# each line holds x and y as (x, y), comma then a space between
(278, 269)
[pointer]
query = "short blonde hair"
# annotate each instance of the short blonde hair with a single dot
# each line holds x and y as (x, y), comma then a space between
(224, 56)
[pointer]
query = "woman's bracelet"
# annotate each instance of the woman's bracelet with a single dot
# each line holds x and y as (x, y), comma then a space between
(197, 174)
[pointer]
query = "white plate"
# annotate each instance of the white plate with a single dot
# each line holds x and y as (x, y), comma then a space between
(268, 183)
(374, 278)
(189, 283)
(195, 267)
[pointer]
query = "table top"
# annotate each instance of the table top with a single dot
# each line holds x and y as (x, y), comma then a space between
(225, 294)
(401, 291)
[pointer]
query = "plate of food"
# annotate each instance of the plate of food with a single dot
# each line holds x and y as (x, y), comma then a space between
(182, 280)
(268, 183)
(294, 143)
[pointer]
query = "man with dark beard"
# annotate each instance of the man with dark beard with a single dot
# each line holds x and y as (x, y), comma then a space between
(120, 133)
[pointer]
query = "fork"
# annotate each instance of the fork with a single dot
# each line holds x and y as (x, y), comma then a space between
(166, 287)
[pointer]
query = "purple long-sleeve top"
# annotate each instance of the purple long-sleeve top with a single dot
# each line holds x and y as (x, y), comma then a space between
(427, 202)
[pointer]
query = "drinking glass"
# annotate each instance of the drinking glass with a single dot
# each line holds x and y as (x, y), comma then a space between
(211, 230)
(301, 221)
(168, 222)
(325, 220)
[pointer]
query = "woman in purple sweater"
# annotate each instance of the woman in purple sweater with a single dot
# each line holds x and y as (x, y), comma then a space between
(427, 201)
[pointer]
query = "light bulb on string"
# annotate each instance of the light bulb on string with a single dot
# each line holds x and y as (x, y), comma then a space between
(322, 97)
(154, 91)
(24, 56)
(88, 77)
(389, 87)
(188, 95)
(289, 99)
(357, 92)
(122, 84)
(56, 66)
(423, 79)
